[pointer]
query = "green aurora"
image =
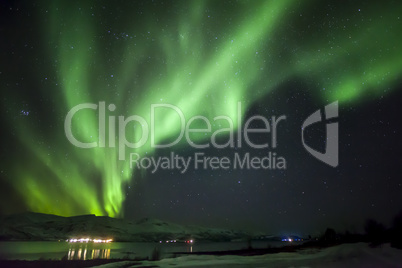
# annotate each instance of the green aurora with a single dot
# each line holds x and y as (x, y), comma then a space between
(203, 57)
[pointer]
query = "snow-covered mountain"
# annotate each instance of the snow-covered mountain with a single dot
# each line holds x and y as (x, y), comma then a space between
(37, 226)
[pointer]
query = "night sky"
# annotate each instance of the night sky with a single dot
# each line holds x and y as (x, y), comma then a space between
(275, 58)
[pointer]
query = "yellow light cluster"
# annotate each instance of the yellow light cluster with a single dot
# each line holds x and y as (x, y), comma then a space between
(86, 240)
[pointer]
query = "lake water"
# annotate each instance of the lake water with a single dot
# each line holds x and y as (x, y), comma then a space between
(86, 251)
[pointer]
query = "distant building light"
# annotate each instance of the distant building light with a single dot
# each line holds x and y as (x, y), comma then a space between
(86, 240)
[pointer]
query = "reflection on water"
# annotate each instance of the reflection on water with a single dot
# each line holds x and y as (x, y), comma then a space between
(13, 250)
(85, 253)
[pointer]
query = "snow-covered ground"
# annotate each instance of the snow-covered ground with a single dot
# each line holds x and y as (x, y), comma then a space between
(346, 255)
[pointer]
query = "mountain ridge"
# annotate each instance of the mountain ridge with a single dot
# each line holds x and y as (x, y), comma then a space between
(32, 226)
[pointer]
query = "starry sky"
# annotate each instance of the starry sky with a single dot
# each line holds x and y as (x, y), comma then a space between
(275, 58)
